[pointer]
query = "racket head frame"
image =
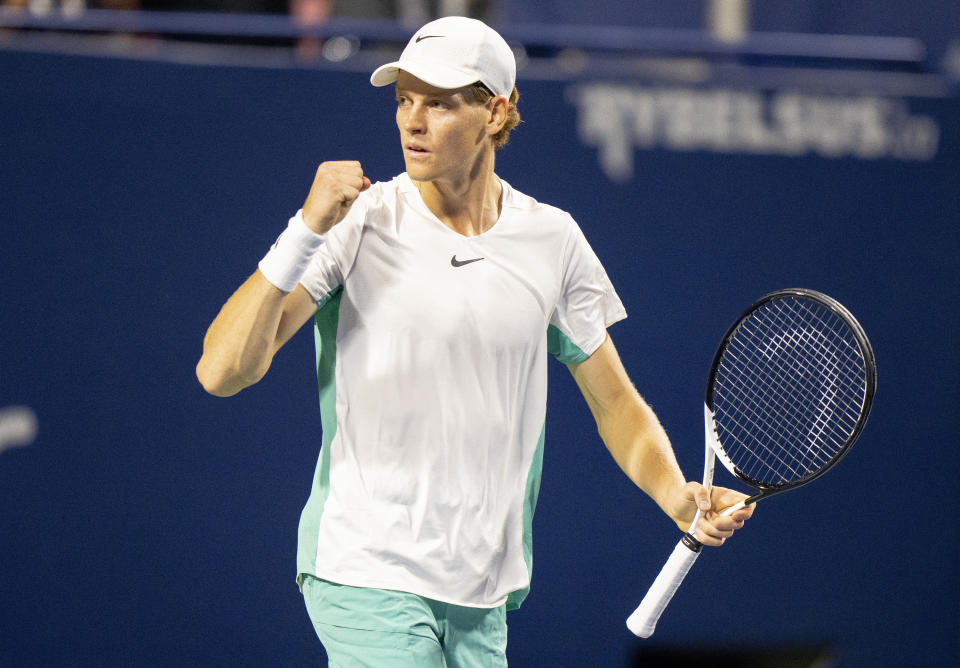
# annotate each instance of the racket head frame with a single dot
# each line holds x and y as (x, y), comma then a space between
(870, 377)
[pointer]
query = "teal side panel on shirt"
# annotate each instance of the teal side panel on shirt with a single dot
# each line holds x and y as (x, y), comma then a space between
(325, 323)
(515, 598)
(560, 346)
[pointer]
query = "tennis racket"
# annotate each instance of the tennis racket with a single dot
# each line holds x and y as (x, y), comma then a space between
(789, 392)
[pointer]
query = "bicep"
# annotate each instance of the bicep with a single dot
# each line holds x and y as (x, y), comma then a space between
(603, 381)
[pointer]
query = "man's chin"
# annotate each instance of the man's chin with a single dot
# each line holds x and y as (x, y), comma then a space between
(417, 172)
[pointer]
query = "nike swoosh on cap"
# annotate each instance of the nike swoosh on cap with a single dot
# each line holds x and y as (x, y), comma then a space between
(422, 37)
(459, 263)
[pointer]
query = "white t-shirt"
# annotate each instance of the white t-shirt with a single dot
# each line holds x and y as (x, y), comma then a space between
(432, 365)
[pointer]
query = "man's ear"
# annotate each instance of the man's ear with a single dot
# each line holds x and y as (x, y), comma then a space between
(498, 114)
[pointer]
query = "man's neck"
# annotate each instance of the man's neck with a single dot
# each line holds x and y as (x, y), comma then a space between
(470, 207)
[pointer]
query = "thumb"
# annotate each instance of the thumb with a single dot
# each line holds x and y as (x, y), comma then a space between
(366, 184)
(702, 496)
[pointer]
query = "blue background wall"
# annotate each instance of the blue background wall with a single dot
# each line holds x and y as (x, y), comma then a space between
(151, 524)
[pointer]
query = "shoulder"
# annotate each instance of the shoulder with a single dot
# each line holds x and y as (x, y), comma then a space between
(543, 220)
(519, 202)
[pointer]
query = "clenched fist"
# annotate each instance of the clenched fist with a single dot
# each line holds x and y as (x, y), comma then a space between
(335, 188)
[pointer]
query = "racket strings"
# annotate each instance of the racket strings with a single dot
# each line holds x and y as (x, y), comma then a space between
(792, 463)
(789, 390)
(765, 397)
(756, 424)
(787, 464)
(789, 460)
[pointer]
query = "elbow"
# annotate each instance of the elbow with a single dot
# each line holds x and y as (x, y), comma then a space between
(219, 381)
(212, 382)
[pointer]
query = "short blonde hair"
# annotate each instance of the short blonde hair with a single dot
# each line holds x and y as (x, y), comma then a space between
(481, 94)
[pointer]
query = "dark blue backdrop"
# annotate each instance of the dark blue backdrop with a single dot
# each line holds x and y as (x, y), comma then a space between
(153, 524)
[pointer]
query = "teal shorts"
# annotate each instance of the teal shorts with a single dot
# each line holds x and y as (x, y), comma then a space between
(379, 628)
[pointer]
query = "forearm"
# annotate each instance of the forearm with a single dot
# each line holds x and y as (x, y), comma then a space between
(241, 341)
(640, 446)
(629, 428)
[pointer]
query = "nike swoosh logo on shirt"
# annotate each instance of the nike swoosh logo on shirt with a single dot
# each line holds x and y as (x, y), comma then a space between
(459, 263)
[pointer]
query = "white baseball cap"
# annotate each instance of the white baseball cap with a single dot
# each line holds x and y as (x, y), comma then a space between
(454, 52)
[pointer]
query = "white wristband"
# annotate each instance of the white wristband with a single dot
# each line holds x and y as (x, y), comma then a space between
(286, 262)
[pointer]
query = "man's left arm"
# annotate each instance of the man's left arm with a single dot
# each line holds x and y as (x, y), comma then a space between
(640, 446)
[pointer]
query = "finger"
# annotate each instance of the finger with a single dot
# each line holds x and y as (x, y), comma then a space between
(353, 176)
(708, 536)
(714, 529)
(729, 501)
(345, 179)
(341, 171)
(736, 510)
(721, 526)
(725, 524)
(348, 166)
(342, 164)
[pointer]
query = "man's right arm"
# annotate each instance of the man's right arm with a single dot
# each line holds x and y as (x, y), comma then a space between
(251, 327)
(260, 317)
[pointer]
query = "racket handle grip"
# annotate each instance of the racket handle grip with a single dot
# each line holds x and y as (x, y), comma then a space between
(644, 619)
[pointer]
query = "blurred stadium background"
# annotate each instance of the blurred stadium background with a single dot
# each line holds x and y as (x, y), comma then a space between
(712, 150)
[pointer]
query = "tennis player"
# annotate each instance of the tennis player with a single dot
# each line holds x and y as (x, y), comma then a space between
(435, 299)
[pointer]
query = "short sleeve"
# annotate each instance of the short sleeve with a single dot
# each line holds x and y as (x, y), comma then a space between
(587, 303)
